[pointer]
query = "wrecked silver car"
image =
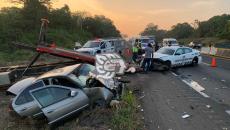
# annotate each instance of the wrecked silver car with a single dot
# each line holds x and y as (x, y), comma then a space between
(62, 92)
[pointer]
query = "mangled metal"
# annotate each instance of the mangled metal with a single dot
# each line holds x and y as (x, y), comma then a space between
(36, 97)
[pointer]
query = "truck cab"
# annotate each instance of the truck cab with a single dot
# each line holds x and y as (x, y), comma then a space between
(144, 41)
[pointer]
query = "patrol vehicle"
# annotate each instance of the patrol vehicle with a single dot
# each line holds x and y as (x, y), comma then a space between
(93, 47)
(144, 41)
(174, 56)
(170, 42)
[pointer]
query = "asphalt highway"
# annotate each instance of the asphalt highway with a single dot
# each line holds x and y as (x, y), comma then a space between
(186, 98)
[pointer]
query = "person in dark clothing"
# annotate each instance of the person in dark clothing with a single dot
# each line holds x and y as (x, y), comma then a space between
(148, 57)
(156, 46)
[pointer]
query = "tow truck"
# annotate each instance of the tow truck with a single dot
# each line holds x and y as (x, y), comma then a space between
(9, 75)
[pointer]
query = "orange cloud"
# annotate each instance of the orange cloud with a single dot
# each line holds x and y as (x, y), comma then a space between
(131, 16)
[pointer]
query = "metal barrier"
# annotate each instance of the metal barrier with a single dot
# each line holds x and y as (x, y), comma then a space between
(221, 52)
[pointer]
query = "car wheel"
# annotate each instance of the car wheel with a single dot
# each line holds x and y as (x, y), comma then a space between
(195, 61)
(101, 103)
(168, 64)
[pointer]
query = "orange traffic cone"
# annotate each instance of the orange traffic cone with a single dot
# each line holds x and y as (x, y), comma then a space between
(213, 64)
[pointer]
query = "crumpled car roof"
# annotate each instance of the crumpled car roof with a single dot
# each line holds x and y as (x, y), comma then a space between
(21, 85)
(65, 71)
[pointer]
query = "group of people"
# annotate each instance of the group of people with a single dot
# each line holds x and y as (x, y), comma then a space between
(148, 55)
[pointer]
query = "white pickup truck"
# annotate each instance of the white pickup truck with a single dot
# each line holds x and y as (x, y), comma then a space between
(94, 47)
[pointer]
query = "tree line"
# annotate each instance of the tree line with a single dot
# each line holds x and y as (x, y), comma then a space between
(217, 26)
(65, 28)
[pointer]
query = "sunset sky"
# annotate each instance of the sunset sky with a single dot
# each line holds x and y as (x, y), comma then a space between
(131, 16)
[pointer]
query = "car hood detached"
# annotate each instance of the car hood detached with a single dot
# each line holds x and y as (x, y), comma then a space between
(21, 85)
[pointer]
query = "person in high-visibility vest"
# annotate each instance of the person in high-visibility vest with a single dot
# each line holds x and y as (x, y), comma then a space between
(135, 51)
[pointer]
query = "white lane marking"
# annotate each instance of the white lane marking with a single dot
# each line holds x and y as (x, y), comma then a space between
(174, 74)
(228, 111)
(205, 63)
(196, 87)
(193, 85)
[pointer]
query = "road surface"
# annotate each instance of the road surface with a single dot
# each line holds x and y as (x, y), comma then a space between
(200, 92)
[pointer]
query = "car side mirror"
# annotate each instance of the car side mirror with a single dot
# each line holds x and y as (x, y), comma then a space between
(73, 93)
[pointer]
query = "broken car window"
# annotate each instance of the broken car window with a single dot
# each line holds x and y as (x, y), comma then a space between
(25, 96)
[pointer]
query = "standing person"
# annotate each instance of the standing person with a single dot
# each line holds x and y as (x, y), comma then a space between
(135, 51)
(148, 57)
(156, 46)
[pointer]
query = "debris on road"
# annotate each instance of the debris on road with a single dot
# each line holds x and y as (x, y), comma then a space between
(191, 107)
(131, 70)
(142, 97)
(228, 111)
(186, 116)
(208, 106)
(142, 110)
(204, 78)
(223, 80)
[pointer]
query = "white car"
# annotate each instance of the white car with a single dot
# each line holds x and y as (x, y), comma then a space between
(170, 42)
(175, 56)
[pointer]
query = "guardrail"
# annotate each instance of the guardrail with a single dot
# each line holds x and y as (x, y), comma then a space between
(220, 52)
(9, 75)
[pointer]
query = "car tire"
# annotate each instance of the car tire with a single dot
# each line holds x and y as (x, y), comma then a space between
(195, 61)
(168, 64)
(101, 103)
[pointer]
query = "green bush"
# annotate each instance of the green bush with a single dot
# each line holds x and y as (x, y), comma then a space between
(125, 116)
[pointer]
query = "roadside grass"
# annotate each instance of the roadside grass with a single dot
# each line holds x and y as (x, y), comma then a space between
(126, 116)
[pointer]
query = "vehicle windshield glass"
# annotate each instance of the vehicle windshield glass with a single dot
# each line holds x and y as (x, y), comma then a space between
(91, 44)
(144, 40)
(170, 42)
(173, 42)
(82, 74)
(167, 51)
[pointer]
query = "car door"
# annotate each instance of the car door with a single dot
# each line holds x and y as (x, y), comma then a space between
(179, 57)
(24, 104)
(188, 56)
(58, 102)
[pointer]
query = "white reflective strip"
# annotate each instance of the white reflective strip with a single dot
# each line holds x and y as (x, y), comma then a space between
(196, 87)
(174, 74)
